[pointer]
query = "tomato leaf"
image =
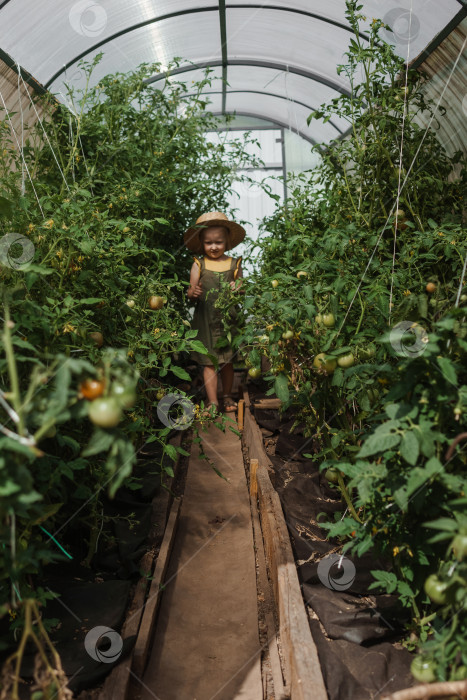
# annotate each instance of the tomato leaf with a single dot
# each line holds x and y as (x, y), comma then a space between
(410, 449)
(448, 370)
(179, 372)
(281, 387)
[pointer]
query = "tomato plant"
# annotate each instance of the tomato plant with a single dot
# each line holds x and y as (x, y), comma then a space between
(382, 415)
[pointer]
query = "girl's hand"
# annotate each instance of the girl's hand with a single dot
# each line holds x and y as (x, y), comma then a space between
(235, 285)
(196, 291)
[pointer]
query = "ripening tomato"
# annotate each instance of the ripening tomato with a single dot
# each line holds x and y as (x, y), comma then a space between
(274, 283)
(97, 337)
(156, 302)
(105, 412)
(301, 273)
(90, 389)
(430, 287)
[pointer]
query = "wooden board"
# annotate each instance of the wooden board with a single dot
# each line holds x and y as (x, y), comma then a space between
(301, 664)
(280, 690)
(272, 403)
(253, 441)
(150, 609)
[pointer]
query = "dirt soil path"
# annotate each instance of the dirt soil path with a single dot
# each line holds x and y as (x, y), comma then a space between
(206, 644)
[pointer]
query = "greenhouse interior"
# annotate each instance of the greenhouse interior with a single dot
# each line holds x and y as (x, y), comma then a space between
(233, 475)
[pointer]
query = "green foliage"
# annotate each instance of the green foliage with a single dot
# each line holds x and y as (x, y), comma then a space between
(120, 172)
(366, 239)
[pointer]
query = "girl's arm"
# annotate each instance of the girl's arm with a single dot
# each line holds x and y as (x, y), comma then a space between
(194, 290)
(236, 285)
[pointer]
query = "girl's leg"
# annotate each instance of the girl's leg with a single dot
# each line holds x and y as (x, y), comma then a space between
(227, 376)
(210, 383)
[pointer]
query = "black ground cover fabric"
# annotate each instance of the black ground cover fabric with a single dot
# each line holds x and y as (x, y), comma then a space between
(99, 595)
(357, 629)
(83, 605)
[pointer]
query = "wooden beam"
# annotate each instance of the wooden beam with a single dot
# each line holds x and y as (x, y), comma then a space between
(268, 403)
(241, 409)
(146, 630)
(302, 667)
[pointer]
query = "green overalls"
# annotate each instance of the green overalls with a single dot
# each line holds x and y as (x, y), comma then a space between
(207, 319)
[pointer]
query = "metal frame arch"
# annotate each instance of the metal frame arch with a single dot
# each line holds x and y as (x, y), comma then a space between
(171, 15)
(274, 122)
(269, 94)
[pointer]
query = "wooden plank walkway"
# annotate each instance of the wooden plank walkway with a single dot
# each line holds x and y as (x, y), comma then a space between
(206, 644)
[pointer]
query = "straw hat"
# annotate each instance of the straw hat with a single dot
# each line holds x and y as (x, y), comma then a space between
(213, 218)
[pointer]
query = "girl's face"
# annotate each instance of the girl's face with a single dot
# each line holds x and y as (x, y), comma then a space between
(214, 242)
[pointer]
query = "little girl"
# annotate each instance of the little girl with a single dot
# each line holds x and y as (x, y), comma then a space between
(212, 235)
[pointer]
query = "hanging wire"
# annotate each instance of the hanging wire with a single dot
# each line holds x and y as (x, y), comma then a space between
(42, 126)
(23, 182)
(399, 178)
(21, 152)
(402, 187)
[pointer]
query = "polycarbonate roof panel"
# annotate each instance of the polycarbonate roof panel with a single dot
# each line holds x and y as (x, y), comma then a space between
(283, 112)
(425, 17)
(285, 85)
(284, 37)
(160, 42)
(43, 36)
(305, 39)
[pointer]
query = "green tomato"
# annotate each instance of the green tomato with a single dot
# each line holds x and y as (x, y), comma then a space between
(324, 365)
(346, 360)
(124, 393)
(459, 546)
(254, 372)
(106, 412)
(329, 320)
(460, 674)
(130, 303)
(301, 273)
(263, 339)
(287, 335)
(274, 283)
(51, 433)
(319, 319)
(367, 353)
(436, 590)
(331, 474)
(423, 669)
